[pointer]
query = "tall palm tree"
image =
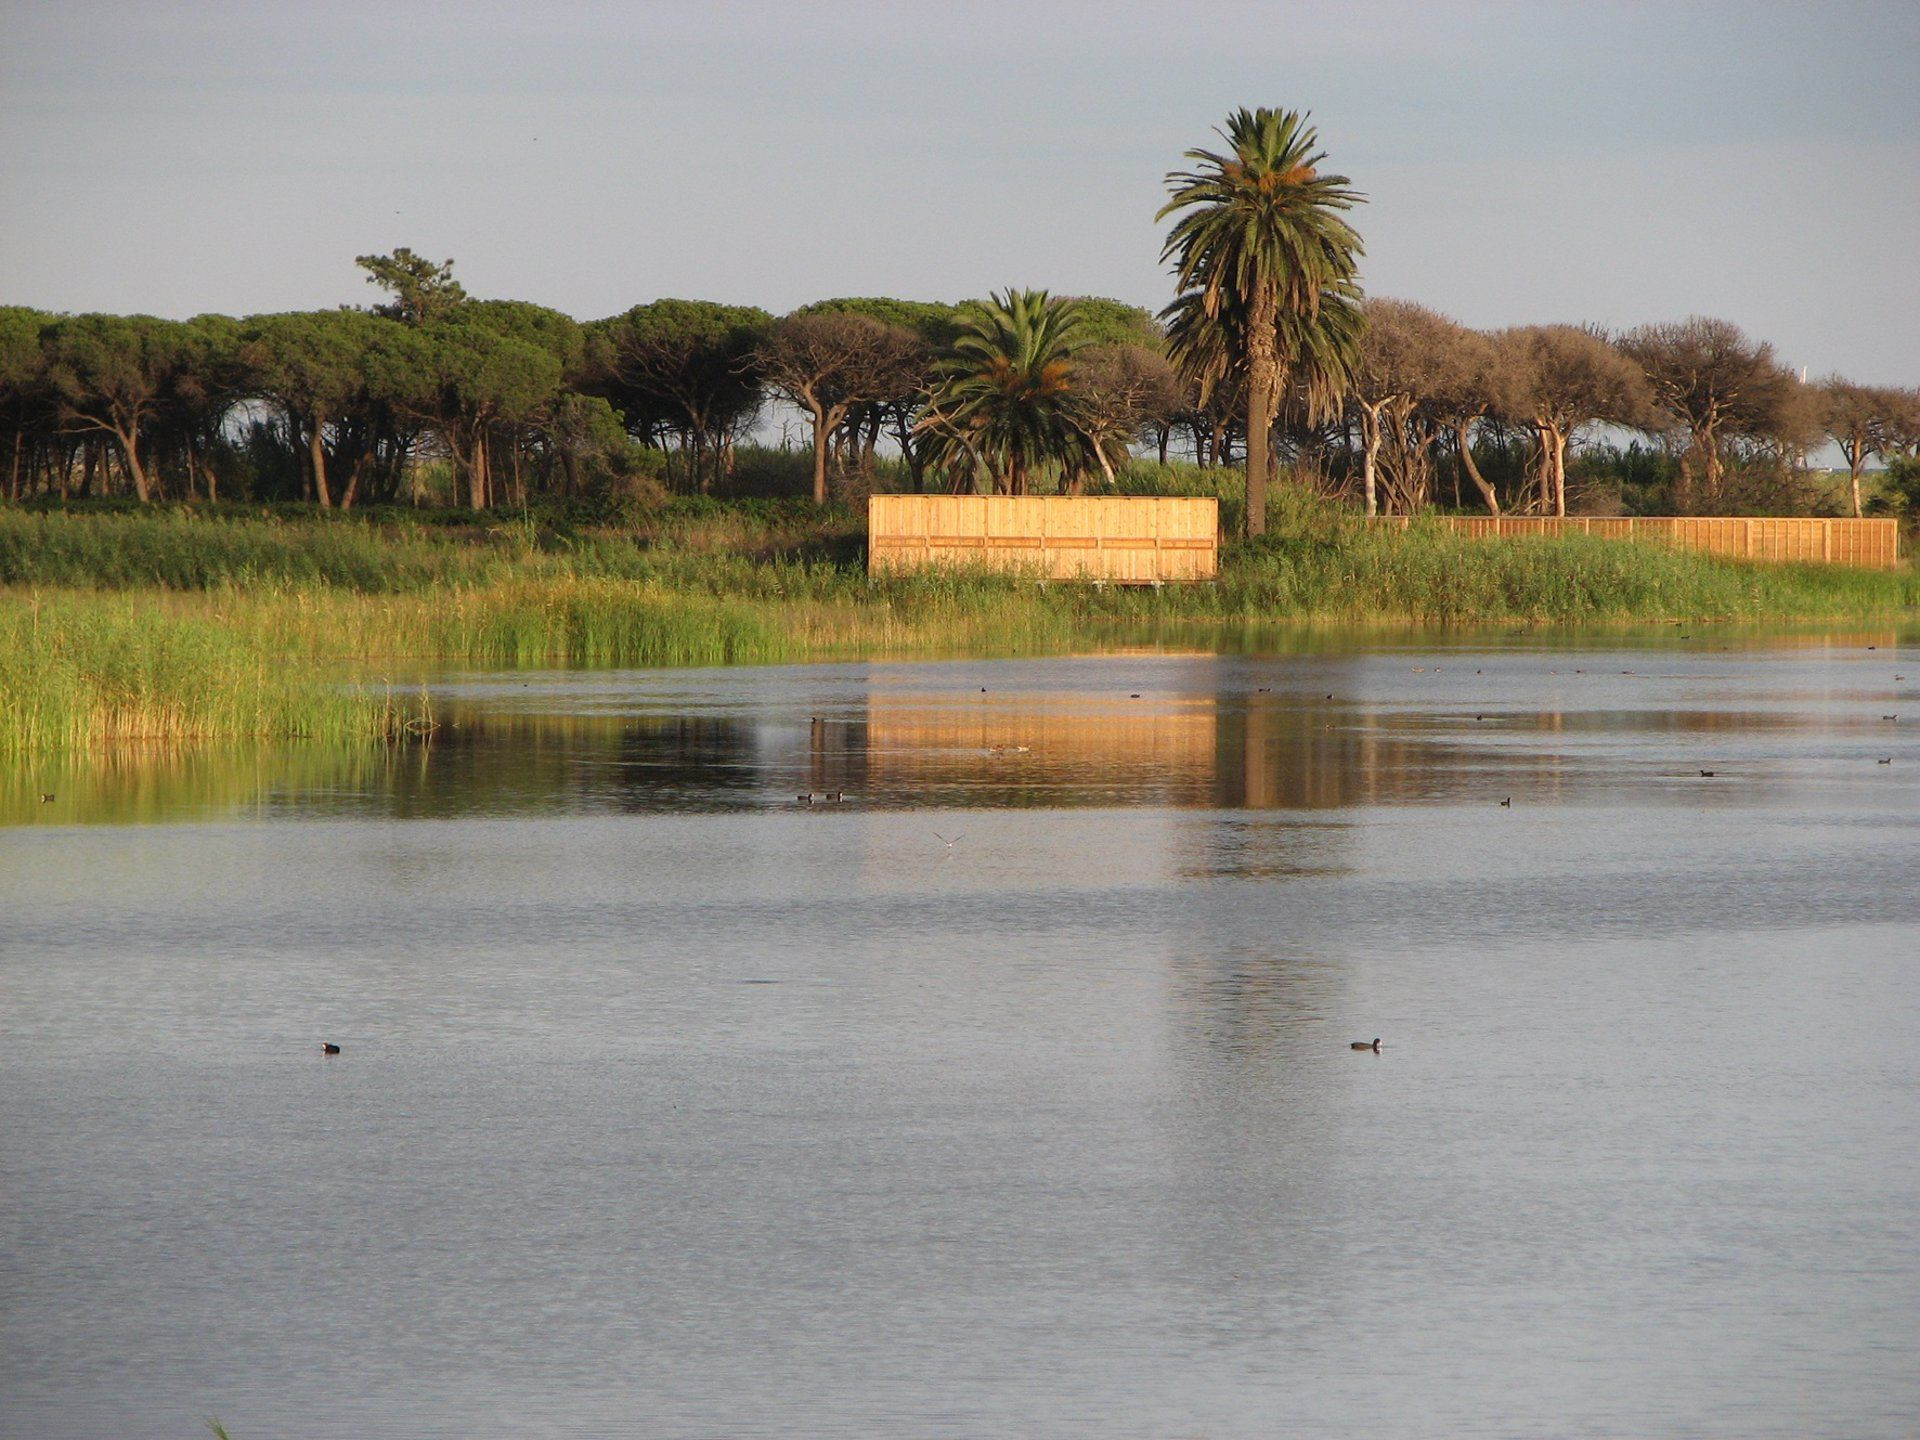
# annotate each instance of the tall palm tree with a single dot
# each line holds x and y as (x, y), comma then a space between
(1315, 353)
(1008, 398)
(1259, 245)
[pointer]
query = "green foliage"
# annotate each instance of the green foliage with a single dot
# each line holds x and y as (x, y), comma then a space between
(1007, 402)
(685, 368)
(401, 550)
(421, 290)
(25, 385)
(260, 599)
(83, 670)
(1261, 220)
(1258, 246)
(561, 336)
(1634, 479)
(1900, 484)
(112, 366)
(309, 362)
(1114, 322)
(21, 359)
(937, 324)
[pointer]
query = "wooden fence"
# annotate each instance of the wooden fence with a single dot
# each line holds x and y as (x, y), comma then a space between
(1871, 543)
(1127, 539)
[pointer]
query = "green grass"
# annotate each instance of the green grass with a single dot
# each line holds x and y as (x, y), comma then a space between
(200, 547)
(182, 626)
(82, 670)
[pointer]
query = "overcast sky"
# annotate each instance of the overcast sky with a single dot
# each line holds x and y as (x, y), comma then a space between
(1615, 163)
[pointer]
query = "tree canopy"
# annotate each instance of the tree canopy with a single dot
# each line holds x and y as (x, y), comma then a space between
(1010, 399)
(436, 391)
(1258, 240)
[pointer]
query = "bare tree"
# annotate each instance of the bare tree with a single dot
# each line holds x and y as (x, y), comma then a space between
(1132, 390)
(828, 363)
(1863, 420)
(1558, 379)
(1903, 425)
(1400, 353)
(1707, 376)
(1465, 385)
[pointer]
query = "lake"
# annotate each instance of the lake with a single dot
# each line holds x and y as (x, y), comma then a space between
(1012, 1093)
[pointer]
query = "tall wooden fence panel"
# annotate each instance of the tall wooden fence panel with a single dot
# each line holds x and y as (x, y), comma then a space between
(1127, 539)
(1871, 543)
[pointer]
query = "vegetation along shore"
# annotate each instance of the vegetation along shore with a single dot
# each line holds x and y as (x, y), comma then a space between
(179, 624)
(243, 526)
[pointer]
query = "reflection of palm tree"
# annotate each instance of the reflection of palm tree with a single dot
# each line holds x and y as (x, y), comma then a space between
(1259, 247)
(1008, 401)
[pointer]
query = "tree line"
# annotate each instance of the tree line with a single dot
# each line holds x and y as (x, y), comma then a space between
(336, 407)
(1269, 354)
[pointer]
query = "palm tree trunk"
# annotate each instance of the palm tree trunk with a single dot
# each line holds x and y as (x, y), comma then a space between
(1262, 377)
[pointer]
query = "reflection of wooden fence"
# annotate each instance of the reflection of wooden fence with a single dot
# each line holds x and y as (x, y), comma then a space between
(1135, 746)
(907, 732)
(1874, 543)
(1131, 539)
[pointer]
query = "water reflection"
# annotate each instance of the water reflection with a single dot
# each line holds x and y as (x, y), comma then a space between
(1290, 732)
(1050, 1130)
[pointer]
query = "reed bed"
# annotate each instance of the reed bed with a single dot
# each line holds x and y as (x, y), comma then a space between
(80, 671)
(190, 628)
(201, 548)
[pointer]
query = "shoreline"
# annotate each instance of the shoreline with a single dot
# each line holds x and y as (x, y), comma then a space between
(119, 628)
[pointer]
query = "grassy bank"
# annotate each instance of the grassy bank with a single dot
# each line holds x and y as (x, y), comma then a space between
(175, 627)
(81, 670)
(396, 551)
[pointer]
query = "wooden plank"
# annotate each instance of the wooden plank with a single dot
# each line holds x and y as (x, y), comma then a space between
(1782, 538)
(1122, 538)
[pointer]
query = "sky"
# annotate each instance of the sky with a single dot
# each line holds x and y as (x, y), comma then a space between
(1524, 162)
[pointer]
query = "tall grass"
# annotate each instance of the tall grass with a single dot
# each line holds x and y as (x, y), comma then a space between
(197, 548)
(1345, 569)
(78, 671)
(177, 627)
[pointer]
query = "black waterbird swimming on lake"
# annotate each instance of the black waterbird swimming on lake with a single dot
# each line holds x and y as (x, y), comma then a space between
(327, 1047)
(1363, 1045)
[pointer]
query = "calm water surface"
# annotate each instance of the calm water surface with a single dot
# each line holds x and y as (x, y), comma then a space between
(1010, 1095)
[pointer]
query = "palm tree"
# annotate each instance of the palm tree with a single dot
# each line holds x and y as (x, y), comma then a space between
(1008, 399)
(1259, 246)
(1315, 354)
